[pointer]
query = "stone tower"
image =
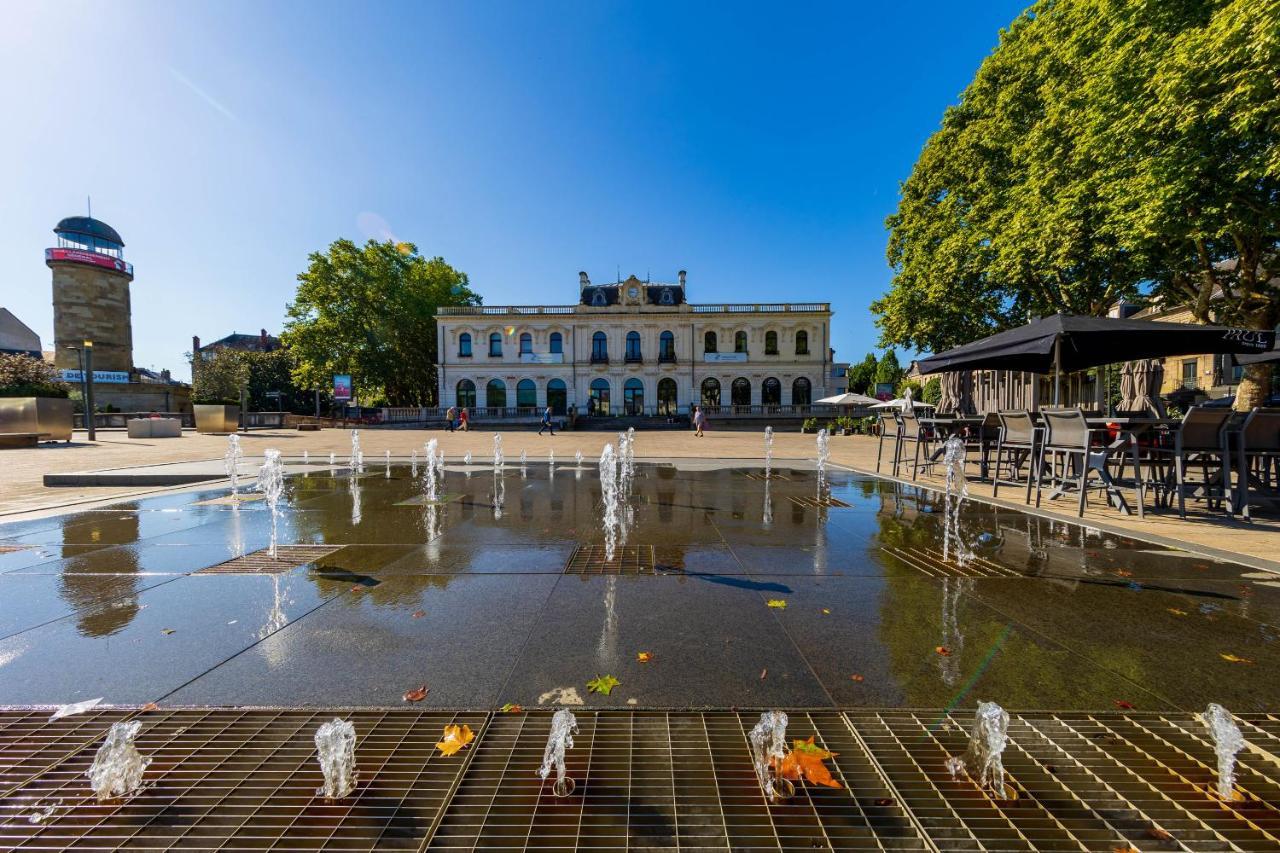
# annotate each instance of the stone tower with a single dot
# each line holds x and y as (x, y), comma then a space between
(91, 295)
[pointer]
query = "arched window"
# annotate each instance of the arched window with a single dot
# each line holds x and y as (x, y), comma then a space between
(526, 394)
(740, 391)
(802, 343)
(526, 343)
(598, 404)
(464, 345)
(633, 396)
(771, 392)
(667, 396)
(633, 346)
(771, 343)
(709, 342)
(800, 392)
(599, 348)
(466, 394)
(557, 342)
(495, 394)
(557, 397)
(710, 392)
(740, 342)
(495, 345)
(666, 347)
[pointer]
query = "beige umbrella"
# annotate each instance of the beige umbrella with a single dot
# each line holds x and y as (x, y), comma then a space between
(1127, 394)
(1148, 375)
(949, 384)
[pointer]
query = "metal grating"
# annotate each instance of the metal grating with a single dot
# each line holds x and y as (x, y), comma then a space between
(811, 502)
(759, 475)
(933, 564)
(288, 558)
(666, 781)
(627, 560)
(239, 779)
(227, 779)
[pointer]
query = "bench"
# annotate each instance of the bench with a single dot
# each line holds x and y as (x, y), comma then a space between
(308, 427)
(154, 428)
(21, 439)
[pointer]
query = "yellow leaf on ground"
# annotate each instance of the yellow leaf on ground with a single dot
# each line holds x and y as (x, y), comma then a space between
(1230, 658)
(455, 738)
(1176, 612)
(644, 657)
(603, 684)
(778, 603)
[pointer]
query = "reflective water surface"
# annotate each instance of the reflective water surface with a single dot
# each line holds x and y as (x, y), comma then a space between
(760, 597)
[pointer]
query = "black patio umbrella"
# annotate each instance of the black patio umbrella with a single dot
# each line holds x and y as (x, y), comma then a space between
(1272, 354)
(1069, 342)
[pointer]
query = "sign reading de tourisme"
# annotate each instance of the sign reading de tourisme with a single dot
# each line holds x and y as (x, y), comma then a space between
(99, 376)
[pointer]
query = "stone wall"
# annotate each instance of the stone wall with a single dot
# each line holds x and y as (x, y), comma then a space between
(91, 304)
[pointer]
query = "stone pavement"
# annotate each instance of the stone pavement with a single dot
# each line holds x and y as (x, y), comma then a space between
(1256, 543)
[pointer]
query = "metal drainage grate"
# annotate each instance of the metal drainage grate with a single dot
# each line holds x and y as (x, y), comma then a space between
(759, 475)
(809, 502)
(666, 781)
(288, 558)
(627, 560)
(933, 564)
(227, 779)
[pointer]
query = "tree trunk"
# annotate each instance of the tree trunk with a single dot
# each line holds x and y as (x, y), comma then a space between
(1254, 386)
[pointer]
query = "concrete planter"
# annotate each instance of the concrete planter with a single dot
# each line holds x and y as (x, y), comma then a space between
(216, 418)
(50, 417)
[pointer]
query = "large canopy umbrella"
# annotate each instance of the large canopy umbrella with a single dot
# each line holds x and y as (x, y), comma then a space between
(1272, 354)
(849, 399)
(1148, 376)
(1127, 390)
(1068, 342)
(902, 403)
(955, 388)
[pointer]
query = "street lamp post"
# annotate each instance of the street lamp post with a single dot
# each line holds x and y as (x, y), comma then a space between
(86, 382)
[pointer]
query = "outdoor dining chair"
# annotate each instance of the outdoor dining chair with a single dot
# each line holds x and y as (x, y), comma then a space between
(1067, 441)
(888, 432)
(911, 430)
(1196, 442)
(1015, 446)
(1257, 460)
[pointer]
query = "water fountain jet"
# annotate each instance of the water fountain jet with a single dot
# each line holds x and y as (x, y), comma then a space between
(271, 484)
(983, 759)
(1227, 741)
(357, 458)
(118, 766)
(336, 752)
(957, 492)
(563, 727)
(231, 463)
(768, 452)
(609, 497)
(768, 739)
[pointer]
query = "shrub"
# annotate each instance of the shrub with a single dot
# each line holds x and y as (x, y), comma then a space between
(24, 376)
(809, 423)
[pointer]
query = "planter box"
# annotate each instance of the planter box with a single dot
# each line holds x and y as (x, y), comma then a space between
(217, 419)
(155, 428)
(49, 417)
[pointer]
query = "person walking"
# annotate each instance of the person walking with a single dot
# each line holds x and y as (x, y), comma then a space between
(464, 420)
(449, 417)
(699, 420)
(546, 422)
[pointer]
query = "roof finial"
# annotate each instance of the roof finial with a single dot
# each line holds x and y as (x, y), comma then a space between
(89, 200)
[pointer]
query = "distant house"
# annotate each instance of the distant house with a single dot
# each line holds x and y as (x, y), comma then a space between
(261, 342)
(16, 337)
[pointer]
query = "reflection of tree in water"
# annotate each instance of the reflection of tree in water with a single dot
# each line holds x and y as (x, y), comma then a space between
(102, 586)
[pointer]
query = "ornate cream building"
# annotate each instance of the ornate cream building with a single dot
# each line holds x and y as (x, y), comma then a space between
(635, 348)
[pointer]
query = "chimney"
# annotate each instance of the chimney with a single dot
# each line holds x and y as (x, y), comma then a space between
(195, 344)
(262, 340)
(680, 275)
(583, 281)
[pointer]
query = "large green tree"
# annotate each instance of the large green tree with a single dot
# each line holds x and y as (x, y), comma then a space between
(862, 376)
(1106, 149)
(370, 311)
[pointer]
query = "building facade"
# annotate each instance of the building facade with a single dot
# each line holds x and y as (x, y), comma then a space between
(634, 348)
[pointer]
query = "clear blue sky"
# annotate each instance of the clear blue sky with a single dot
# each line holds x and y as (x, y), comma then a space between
(760, 147)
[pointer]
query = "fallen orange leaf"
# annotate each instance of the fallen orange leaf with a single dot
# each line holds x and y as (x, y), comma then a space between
(150, 706)
(1123, 705)
(511, 708)
(644, 657)
(416, 695)
(857, 677)
(1230, 658)
(418, 614)
(806, 761)
(455, 738)
(1159, 834)
(943, 650)
(1125, 848)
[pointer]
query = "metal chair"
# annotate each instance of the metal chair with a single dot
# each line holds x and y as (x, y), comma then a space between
(888, 432)
(1015, 445)
(1067, 436)
(1257, 453)
(910, 429)
(1198, 440)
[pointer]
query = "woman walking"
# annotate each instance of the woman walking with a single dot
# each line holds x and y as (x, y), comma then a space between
(699, 420)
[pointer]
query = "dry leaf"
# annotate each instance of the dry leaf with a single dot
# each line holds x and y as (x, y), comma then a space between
(943, 650)
(167, 630)
(1176, 612)
(511, 708)
(644, 657)
(1125, 848)
(418, 614)
(150, 706)
(416, 695)
(806, 761)
(1159, 834)
(1124, 573)
(778, 603)
(603, 684)
(1123, 705)
(455, 738)
(763, 673)
(884, 801)
(857, 677)
(826, 611)
(1229, 658)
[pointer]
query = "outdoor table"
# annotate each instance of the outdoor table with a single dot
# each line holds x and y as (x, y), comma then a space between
(1129, 428)
(950, 426)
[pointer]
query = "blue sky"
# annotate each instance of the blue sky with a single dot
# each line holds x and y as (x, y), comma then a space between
(759, 147)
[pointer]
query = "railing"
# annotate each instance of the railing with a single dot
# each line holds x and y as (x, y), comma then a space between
(264, 420)
(634, 359)
(599, 359)
(762, 308)
(1189, 383)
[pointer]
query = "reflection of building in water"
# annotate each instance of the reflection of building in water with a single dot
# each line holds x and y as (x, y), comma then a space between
(101, 585)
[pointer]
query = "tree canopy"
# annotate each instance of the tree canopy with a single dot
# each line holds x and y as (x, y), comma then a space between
(370, 311)
(863, 375)
(1106, 149)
